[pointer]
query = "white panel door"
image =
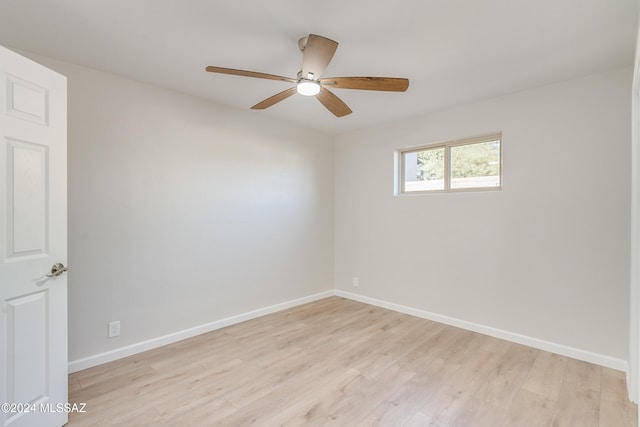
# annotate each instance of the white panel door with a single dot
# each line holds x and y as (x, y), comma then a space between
(33, 237)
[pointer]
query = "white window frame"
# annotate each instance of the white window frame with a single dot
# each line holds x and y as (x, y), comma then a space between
(400, 167)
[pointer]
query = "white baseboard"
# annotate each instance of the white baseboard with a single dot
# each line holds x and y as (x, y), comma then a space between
(575, 353)
(119, 353)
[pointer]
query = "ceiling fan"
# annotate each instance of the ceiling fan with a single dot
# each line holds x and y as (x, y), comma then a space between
(317, 52)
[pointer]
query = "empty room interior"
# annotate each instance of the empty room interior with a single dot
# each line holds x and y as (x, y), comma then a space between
(446, 236)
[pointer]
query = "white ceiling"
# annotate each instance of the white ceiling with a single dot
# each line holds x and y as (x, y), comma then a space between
(453, 51)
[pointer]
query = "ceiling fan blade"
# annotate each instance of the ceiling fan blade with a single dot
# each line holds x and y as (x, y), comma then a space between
(317, 55)
(245, 73)
(274, 99)
(333, 103)
(390, 84)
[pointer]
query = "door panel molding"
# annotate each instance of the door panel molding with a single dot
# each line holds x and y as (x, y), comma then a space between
(27, 216)
(27, 100)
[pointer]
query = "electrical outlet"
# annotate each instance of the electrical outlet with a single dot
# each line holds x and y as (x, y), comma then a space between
(356, 282)
(114, 329)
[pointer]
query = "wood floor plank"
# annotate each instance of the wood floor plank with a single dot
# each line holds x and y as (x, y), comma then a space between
(373, 390)
(313, 408)
(404, 402)
(579, 400)
(338, 362)
(508, 376)
(529, 409)
(615, 407)
(545, 377)
(499, 388)
(418, 420)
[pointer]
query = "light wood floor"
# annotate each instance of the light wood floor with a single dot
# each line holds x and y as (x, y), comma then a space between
(338, 362)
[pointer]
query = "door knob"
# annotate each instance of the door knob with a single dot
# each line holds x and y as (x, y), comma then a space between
(57, 269)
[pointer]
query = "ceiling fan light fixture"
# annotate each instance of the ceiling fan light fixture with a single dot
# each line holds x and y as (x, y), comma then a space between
(317, 52)
(308, 87)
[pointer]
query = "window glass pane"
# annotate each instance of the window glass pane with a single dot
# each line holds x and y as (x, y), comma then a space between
(424, 170)
(475, 165)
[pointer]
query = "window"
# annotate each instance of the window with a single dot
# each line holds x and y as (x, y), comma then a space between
(468, 164)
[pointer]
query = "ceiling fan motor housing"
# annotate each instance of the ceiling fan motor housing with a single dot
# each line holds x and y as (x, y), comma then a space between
(309, 76)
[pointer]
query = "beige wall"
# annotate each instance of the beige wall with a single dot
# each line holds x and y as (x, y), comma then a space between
(547, 257)
(182, 212)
